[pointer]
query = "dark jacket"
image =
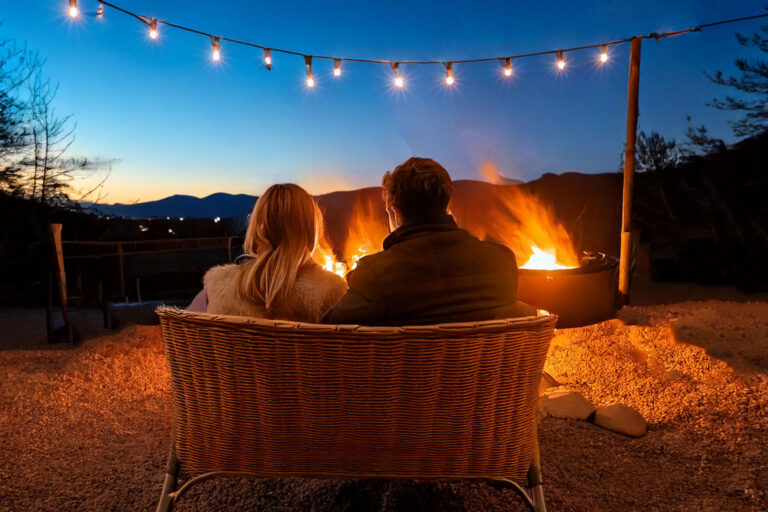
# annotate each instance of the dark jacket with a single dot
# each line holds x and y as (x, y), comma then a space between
(431, 273)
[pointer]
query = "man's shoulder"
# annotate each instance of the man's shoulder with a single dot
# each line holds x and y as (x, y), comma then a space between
(488, 248)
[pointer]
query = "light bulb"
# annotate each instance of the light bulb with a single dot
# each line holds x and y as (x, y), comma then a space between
(100, 11)
(399, 82)
(308, 64)
(268, 59)
(560, 61)
(449, 80)
(153, 34)
(603, 54)
(73, 12)
(216, 49)
(449, 74)
(507, 67)
(336, 67)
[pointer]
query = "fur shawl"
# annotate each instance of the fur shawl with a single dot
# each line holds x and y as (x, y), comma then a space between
(314, 293)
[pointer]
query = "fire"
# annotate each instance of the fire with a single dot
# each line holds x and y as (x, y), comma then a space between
(329, 263)
(542, 260)
(366, 230)
(507, 214)
(515, 217)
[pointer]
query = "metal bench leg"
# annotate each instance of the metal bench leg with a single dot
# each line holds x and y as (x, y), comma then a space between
(169, 485)
(535, 486)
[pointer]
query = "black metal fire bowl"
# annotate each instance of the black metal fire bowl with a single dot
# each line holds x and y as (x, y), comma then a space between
(579, 296)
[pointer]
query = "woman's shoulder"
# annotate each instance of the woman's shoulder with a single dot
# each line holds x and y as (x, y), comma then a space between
(314, 275)
(315, 292)
(221, 274)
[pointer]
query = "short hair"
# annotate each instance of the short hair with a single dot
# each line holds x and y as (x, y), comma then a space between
(419, 187)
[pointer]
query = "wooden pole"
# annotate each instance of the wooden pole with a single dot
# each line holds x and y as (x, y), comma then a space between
(625, 261)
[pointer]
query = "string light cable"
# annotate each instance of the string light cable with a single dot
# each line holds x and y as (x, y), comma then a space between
(153, 23)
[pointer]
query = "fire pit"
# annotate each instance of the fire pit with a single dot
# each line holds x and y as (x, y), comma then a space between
(580, 296)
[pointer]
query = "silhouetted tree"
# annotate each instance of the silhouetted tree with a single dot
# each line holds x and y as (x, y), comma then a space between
(700, 142)
(655, 153)
(14, 72)
(35, 138)
(753, 81)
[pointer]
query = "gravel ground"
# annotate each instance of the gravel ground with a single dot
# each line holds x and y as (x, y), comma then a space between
(87, 428)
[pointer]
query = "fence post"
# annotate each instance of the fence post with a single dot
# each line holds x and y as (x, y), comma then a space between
(121, 269)
(57, 266)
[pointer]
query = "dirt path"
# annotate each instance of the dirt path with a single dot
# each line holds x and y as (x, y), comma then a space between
(87, 428)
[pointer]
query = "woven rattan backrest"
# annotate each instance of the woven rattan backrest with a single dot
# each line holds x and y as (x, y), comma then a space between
(282, 398)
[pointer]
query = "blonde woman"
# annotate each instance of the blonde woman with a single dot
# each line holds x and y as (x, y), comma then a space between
(279, 278)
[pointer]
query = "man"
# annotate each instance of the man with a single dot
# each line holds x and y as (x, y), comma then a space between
(430, 271)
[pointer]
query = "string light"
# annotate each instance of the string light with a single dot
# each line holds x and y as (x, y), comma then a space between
(216, 48)
(153, 34)
(604, 54)
(310, 78)
(508, 67)
(399, 82)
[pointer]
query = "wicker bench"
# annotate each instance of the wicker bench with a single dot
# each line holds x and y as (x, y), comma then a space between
(270, 398)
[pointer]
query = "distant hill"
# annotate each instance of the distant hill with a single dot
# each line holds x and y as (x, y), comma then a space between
(223, 205)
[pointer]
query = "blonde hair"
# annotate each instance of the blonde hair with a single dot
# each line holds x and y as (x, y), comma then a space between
(283, 232)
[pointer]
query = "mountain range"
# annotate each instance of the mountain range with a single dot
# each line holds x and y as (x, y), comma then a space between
(221, 204)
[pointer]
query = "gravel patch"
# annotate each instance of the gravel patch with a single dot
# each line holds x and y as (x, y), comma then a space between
(88, 428)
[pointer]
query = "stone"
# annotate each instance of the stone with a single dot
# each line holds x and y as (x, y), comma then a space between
(622, 419)
(566, 404)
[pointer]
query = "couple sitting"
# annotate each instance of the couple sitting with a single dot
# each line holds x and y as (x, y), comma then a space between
(429, 271)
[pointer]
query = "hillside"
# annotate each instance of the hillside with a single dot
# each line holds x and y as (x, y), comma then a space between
(220, 204)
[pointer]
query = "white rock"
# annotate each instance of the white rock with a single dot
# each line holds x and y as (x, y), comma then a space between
(566, 404)
(621, 419)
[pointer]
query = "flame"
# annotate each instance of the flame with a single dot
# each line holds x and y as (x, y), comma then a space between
(542, 260)
(515, 217)
(366, 230)
(507, 214)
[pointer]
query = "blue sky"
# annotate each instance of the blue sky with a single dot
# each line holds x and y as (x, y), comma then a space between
(181, 124)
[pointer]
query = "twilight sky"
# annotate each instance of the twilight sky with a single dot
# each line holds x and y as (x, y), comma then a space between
(181, 124)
